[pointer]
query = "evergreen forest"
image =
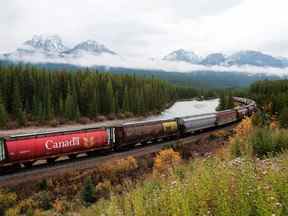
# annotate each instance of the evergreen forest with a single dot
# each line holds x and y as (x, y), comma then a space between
(33, 94)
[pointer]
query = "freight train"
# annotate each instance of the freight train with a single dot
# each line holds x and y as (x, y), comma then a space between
(26, 149)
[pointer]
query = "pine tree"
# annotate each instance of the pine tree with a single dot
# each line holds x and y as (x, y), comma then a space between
(126, 104)
(71, 106)
(110, 101)
(116, 101)
(48, 110)
(88, 193)
(3, 115)
(61, 106)
(229, 102)
(93, 105)
(222, 102)
(17, 107)
(141, 103)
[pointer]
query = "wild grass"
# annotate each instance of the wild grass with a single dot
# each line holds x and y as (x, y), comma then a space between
(250, 178)
(261, 142)
(253, 180)
(206, 187)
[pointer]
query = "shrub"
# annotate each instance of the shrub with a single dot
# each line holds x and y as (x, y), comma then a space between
(44, 200)
(103, 188)
(12, 212)
(61, 206)
(62, 121)
(111, 116)
(84, 120)
(88, 194)
(122, 166)
(244, 128)
(43, 185)
(261, 142)
(7, 200)
(261, 119)
(235, 148)
(120, 116)
(100, 118)
(53, 123)
(283, 118)
(12, 125)
(129, 115)
(166, 160)
(26, 206)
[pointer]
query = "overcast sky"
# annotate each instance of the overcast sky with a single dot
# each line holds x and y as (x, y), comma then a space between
(151, 28)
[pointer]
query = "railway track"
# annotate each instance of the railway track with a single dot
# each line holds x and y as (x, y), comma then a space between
(43, 171)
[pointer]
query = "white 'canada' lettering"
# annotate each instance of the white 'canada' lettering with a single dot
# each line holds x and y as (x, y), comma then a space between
(50, 144)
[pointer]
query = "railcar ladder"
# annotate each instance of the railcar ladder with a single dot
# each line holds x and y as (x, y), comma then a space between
(2, 149)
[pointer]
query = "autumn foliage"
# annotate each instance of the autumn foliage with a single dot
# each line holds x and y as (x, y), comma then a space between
(238, 143)
(119, 166)
(244, 128)
(166, 160)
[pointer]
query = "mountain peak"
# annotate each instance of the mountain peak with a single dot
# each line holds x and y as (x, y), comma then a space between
(47, 43)
(90, 46)
(254, 58)
(214, 59)
(183, 55)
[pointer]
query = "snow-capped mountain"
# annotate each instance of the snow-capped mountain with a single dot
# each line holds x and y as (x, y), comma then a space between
(241, 58)
(47, 43)
(254, 58)
(214, 59)
(89, 47)
(40, 46)
(52, 49)
(184, 56)
(284, 61)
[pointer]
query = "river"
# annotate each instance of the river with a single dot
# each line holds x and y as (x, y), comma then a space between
(188, 108)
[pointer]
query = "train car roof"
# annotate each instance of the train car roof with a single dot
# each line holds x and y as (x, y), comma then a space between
(228, 110)
(199, 115)
(147, 122)
(43, 133)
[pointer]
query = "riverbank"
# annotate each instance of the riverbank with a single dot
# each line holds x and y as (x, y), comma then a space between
(177, 109)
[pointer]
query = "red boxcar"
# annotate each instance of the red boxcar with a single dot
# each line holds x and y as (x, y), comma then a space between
(41, 146)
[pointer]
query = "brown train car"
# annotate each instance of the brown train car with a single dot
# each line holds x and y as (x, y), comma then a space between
(242, 112)
(133, 133)
(226, 117)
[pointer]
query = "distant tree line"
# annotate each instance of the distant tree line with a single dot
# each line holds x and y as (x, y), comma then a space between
(28, 93)
(225, 100)
(272, 98)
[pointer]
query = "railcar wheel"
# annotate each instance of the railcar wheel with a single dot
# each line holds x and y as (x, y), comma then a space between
(91, 153)
(73, 156)
(28, 164)
(51, 160)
